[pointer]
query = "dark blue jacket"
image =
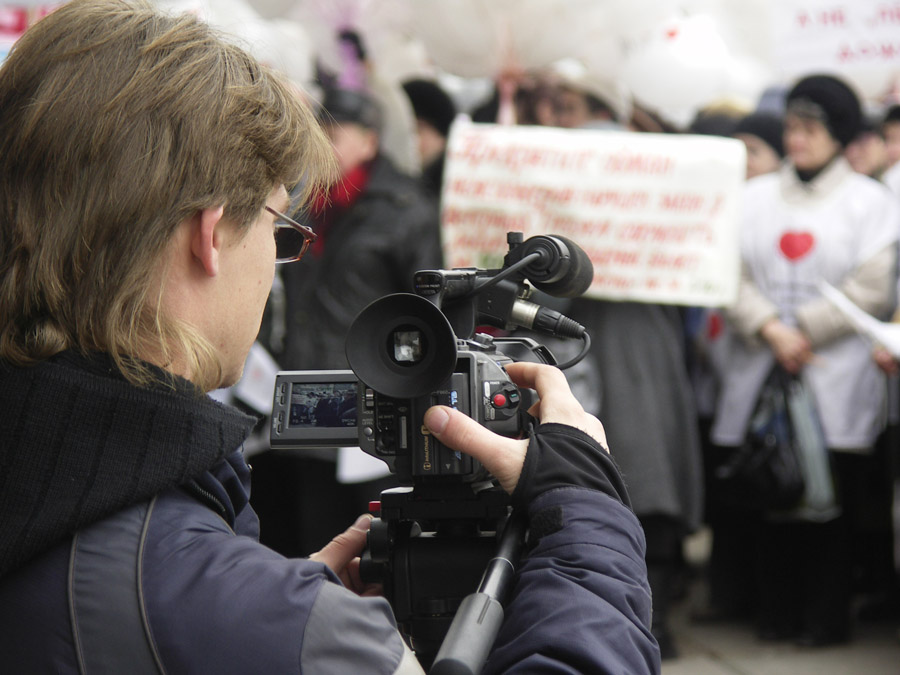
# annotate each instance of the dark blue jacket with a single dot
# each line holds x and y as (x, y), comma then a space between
(178, 583)
(216, 601)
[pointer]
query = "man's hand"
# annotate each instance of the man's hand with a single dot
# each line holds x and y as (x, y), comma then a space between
(504, 457)
(342, 553)
(885, 361)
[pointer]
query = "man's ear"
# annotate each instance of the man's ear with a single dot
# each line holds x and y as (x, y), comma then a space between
(207, 239)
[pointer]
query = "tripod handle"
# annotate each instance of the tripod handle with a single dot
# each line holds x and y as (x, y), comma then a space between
(470, 638)
(477, 622)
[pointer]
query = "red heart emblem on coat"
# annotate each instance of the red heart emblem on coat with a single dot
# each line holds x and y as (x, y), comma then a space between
(795, 245)
(714, 326)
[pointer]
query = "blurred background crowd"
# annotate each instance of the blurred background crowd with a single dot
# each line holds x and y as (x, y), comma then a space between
(674, 386)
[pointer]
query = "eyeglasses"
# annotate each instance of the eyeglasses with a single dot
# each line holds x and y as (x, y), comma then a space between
(291, 238)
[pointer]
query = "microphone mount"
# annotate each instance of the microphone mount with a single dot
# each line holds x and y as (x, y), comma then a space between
(470, 297)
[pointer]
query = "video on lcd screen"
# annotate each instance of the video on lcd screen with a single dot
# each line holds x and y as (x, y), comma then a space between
(323, 404)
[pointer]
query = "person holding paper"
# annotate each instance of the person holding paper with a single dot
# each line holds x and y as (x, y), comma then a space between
(814, 219)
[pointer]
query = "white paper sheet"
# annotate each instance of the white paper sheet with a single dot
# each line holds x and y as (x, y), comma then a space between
(883, 333)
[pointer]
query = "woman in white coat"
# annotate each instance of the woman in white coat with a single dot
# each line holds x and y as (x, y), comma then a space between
(813, 220)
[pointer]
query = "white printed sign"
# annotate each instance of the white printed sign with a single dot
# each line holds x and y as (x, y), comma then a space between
(859, 40)
(657, 214)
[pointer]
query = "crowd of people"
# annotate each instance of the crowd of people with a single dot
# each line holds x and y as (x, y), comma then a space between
(118, 317)
(676, 386)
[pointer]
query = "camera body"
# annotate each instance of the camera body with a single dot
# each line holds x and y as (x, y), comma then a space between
(334, 409)
(393, 429)
(410, 351)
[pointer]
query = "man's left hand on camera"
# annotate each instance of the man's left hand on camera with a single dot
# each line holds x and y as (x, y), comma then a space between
(342, 553)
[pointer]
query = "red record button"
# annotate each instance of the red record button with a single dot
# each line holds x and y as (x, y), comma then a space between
(499, 400)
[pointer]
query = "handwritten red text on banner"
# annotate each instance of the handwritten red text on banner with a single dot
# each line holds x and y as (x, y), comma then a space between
(656, 214)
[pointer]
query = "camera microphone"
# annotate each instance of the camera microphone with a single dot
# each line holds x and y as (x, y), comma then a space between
(562, 268)
(558, 267)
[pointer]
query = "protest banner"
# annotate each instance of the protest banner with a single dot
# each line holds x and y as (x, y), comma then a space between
(859, 40)
(657, 214)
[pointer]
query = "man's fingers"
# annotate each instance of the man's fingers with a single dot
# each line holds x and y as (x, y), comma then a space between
(348, 545)
(537, 376)
(503, 457)
(557, 403)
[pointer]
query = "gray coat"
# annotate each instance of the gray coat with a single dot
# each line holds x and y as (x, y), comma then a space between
(646, 404)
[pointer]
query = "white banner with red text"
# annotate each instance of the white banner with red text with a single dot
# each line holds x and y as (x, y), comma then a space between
(657, 214)
(859, 40)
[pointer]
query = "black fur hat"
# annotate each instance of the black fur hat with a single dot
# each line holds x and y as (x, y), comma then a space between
(830, 100)
(891, 115)
(763, 125)
(431, 104)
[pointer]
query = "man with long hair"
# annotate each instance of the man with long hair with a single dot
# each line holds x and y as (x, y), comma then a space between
(145, 167)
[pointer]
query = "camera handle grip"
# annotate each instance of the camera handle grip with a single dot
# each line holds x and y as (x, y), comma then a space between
(478, 619)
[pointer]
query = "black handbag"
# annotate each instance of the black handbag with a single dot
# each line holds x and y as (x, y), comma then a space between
(765, 473)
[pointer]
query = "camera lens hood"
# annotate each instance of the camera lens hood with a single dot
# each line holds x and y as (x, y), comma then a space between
(376, 338)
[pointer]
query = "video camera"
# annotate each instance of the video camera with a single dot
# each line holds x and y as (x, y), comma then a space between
(407, 352)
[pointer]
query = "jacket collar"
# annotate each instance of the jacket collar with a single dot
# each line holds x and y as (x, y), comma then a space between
(78, 442)
(794, 190)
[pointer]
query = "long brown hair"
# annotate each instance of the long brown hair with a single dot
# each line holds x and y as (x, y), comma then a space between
(118, 122)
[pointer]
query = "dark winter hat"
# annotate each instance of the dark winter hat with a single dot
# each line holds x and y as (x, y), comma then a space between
(431, 104)
(346, 105)
(766, 126)
(712, 124)
(892, 115)
(829, 100)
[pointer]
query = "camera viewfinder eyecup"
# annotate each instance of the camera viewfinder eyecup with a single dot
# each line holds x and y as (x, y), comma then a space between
(402, 346)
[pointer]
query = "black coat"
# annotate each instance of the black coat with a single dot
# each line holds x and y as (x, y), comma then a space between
(372, 249)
